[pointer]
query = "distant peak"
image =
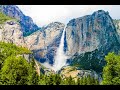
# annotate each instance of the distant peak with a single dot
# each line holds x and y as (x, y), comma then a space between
(55, 24)
(100, 12)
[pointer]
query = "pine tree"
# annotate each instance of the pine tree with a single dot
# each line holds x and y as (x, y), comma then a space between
(15, 71)
(84, 80)
(88, 80)
(1, 60)
(57, 79)
(34, 78)
(96, 82)
(81, 81)
(42, 79)
(78, 81)
(70, 81)
(64, 82)
(111, 70)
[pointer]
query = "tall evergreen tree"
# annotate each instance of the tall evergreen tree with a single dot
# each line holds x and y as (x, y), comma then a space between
(111, 72)
(78, 81)
(15, 71)
(88, 80)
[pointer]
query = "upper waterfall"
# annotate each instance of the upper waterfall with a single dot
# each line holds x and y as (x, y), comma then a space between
(60, 58)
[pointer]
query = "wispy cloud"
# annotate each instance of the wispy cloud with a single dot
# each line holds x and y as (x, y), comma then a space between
(44, 14)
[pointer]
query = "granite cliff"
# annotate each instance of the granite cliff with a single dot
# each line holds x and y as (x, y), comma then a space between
(44, 42)
(90, 38)
(87, 39)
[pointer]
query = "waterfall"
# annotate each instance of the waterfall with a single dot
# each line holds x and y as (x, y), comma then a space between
(60, 58)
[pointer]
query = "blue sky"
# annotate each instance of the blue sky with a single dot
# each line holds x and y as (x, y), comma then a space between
(45, 14)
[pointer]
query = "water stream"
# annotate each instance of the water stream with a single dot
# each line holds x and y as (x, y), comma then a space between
(60, 58)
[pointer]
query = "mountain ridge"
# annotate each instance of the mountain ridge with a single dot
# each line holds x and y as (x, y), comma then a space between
(83, 35)
(26, 22)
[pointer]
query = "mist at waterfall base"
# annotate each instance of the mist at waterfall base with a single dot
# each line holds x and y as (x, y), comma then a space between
(60, 59)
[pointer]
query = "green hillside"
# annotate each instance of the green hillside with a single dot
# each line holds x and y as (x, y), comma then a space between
(4, 18)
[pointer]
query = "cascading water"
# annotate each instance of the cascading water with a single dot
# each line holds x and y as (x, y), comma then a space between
(60, 58)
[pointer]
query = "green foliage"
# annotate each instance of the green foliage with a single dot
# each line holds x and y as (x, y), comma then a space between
(52, 79)
(15, 71)
(70, 81)
(32, 63)
(88, 61)
(2, 57)
(111, 72)
(34, 77)
(9, 49)
(4, 18)
(42, 79)
(87, 80)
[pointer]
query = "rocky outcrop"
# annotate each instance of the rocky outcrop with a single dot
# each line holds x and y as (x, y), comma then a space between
(45, 41)
(26, 22)
(10, 31)
(75, 73)
(96, 31)
(45, 36)
(42, 42)
(117, 25)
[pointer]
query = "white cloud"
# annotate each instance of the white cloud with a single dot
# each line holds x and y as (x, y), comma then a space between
(45, 14)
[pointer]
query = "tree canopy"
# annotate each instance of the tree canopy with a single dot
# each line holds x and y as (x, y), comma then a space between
(111, 72)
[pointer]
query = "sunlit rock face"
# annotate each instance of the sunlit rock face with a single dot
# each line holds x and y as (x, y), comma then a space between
(26, 22)
(44, 42)
(75, 73)
(90, 32)
(10, 31)
(90, 38)
(117, 25)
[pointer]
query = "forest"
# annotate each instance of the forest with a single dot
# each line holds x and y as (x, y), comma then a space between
(15, 70)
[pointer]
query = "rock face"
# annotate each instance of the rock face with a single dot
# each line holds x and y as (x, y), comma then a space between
(89, 33)
(26, 22)
(76, 73)
(12, 33)
(90, 38)
(45, 41)
(85, 34)
(42, 42)
(45, 36)
(117, 25)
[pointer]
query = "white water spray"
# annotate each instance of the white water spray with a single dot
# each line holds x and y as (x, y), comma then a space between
(60, 58)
